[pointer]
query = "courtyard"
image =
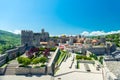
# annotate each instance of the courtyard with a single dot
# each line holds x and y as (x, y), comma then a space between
(68, 72)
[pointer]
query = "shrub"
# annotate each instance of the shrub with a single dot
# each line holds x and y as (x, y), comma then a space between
(42, 65)
(78, 57)
(53, 49)
(36, 61)
(78, 53)
(46, 52)
(20, 60)
(24, 61)
(101, 59)
(83, 57)
(94, 56)
(43, 60)
(41, 49)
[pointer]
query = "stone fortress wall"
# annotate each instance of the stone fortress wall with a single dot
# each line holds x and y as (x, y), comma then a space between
(102, 50)
(98, 50)
(11, 54)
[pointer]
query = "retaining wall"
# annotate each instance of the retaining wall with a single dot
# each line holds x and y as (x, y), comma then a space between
(34, 71)
(107, 74)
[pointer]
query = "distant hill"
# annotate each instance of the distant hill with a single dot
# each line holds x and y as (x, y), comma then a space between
(115, 38)
(9, 37)
(8, 40)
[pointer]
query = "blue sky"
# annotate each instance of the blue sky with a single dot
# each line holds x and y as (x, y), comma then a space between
(60, 16)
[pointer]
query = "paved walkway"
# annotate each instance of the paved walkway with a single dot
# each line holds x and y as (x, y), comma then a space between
(14, 77)
(66, 73)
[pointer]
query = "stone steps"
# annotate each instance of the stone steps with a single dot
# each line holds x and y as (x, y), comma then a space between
(10, 70)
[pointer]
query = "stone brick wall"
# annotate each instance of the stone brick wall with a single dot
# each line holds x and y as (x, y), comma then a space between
(2, 70)
(2, 59)
(22, 71)
(51, 64)
(41, 70)
(34, 71)
(98, 50)
(11, 54)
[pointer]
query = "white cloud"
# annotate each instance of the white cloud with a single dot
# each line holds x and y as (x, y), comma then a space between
(97, 33)
(85, 33)
(16, 31)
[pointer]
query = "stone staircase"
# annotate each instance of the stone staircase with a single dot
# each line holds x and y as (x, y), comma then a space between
(10, 70)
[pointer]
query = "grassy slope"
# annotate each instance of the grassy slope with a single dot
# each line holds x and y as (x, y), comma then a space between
(8, 37)
(8, 40)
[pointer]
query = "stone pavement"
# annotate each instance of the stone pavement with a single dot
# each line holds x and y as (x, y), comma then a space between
(14, 77)
(66, 73)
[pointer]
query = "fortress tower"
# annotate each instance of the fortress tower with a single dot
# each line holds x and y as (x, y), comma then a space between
(27, 38)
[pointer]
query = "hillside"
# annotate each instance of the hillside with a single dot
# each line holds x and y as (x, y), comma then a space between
(8, 40)
(115, 38)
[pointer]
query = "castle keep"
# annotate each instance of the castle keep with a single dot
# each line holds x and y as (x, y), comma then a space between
(33, 39)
